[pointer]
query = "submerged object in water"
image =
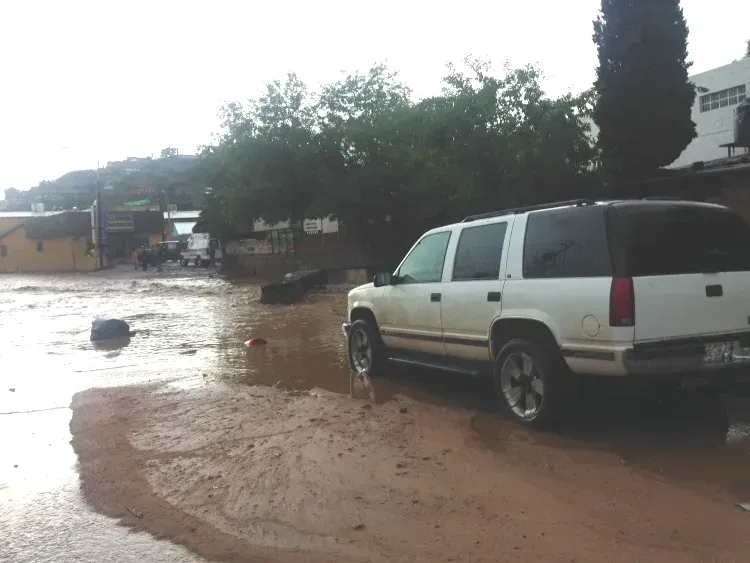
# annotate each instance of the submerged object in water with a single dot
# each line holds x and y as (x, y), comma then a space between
(105, 329)
(256, 342)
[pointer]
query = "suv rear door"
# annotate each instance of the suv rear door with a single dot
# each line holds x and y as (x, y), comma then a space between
(690, 265)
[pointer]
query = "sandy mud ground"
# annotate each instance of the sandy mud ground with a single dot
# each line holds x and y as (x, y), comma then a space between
(260, 473)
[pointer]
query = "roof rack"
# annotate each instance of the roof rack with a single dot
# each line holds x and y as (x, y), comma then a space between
(515, 210)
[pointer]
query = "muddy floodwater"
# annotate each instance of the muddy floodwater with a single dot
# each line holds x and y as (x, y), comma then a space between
(229, 452)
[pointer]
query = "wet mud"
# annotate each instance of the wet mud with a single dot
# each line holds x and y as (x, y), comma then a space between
(261, 454)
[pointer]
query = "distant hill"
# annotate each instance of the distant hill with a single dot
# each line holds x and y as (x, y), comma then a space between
(132, 179)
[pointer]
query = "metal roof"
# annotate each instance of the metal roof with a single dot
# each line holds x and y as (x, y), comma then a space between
(27, 214)
(182, 215)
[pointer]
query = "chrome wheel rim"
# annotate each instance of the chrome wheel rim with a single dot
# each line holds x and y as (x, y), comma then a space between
(522, 385)
(360, 350)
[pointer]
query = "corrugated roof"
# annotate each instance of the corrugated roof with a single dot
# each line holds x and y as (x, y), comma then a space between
(69, 223)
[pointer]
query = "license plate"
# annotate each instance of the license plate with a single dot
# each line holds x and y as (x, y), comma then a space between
(718, 353)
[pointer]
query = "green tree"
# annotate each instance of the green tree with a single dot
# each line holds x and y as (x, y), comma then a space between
(169, 151)
(644, 97)
(747, 49)
(365, 153)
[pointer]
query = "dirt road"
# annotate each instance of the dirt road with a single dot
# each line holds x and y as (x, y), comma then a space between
(260, 473)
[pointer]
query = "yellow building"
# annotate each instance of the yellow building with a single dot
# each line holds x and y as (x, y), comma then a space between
(50, 243)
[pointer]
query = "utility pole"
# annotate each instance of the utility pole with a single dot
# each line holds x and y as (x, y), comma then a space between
(169, 216)
(99, 217)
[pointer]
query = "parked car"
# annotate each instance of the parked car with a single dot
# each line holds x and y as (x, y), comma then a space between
(167, 251)
(198, 250)
(654, 290)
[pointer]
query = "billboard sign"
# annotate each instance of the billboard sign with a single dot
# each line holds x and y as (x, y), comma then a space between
(119, 224)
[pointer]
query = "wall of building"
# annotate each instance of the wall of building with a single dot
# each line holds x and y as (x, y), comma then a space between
(67, 254)
(7, 223)
(716, 126)
(332, 252)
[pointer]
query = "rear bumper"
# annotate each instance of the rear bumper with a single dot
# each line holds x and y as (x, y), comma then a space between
(675, 361)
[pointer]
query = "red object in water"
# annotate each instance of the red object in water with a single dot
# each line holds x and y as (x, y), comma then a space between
(255, 342)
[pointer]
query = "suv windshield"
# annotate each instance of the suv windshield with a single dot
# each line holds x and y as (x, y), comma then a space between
(664, 239)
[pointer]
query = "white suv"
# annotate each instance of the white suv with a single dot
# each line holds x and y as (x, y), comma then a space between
(539, 295)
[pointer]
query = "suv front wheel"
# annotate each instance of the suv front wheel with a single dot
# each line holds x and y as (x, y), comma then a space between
(366, 349)
(529, 383)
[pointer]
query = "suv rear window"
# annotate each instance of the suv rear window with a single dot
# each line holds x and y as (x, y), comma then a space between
(663, 239)
(567, 243)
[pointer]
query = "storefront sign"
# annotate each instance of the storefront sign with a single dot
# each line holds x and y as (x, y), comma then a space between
(312, 226)
(120, 224)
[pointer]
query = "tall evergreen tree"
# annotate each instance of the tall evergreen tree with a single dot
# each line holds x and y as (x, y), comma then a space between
(644, 98)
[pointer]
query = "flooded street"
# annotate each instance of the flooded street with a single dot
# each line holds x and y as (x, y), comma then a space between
(228, 452)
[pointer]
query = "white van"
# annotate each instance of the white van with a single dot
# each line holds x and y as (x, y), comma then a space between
(197, 250)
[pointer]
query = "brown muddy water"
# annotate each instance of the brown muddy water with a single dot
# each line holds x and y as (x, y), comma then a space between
(190, 332)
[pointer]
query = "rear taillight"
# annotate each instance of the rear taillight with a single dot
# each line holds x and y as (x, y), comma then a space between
(622, 302)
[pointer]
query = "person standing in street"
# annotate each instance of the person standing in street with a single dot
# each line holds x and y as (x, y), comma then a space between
(212, 255)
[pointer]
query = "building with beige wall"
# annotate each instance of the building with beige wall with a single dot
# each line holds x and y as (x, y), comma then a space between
(52, 243)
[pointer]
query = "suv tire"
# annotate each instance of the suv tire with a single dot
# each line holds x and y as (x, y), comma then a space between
(366, 350)
(532, 383)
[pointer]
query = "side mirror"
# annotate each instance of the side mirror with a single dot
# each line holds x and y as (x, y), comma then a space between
(381, 280)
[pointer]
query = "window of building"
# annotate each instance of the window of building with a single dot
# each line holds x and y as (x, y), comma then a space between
(479, 252)
(3, 251)
(425, 262)
(567, 243)
(723, 98)
(40, 246)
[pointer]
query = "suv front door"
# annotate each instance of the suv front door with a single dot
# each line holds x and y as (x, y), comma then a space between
(413, 320)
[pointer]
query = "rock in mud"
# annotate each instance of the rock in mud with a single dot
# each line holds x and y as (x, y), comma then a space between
(107, 329)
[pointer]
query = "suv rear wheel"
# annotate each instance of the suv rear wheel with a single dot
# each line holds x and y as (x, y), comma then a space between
(530, 383)
(366, 349)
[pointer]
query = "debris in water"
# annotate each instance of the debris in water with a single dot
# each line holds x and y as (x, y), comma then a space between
(256, 342)
(134, 512)
(106, 329)
(403, 410)
(188, 352)
(744, 506)
(359, 527)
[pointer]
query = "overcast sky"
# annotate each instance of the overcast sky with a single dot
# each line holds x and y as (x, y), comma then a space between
(111, 79)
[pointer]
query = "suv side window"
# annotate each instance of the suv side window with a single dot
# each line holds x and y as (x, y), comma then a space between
(425, 262)
(479, 252)
(567, 243)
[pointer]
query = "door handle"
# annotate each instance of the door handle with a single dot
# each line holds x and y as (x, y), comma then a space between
(435, 297)
(494, 296)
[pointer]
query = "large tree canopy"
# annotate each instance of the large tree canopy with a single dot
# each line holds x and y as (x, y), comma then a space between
(643, 96)
(362, 151)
